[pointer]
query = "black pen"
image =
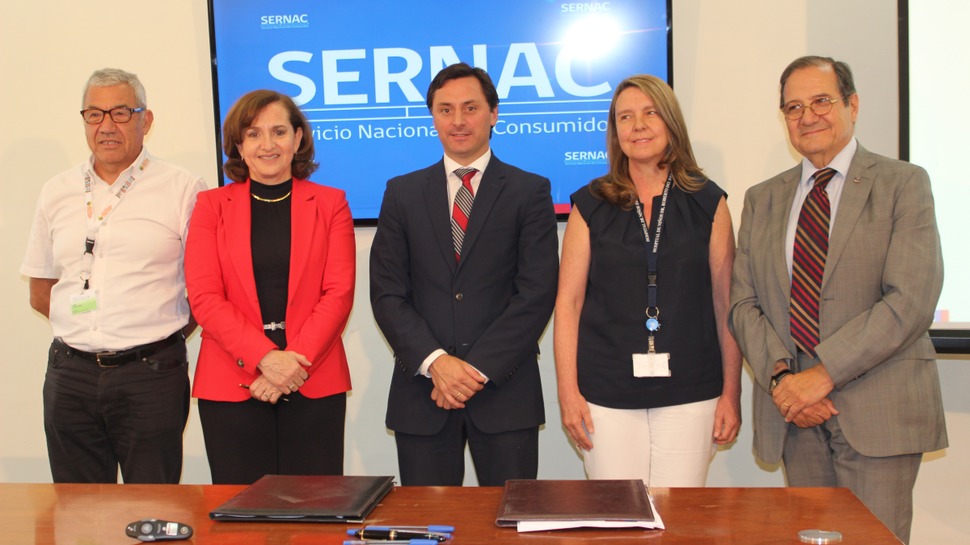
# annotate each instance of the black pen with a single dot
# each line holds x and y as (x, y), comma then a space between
(392, 534)
(434, 528)
(246, 386)
(395, 541)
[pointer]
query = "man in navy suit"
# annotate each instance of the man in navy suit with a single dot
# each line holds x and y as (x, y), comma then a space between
(463, 276)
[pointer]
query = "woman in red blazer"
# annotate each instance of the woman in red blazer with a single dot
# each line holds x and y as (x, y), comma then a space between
(269, 266)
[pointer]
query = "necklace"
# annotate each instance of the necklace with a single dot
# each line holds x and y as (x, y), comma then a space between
(278, 199)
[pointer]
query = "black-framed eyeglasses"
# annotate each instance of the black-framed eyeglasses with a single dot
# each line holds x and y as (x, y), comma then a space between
(819, 106)
(121, 114)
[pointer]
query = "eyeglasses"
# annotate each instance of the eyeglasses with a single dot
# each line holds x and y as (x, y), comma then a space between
(819, 106)
(121, 114)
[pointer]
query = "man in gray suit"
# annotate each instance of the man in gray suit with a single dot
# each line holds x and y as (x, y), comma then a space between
(848, 392)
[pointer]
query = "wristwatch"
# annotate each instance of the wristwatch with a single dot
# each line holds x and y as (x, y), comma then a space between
(776, 379)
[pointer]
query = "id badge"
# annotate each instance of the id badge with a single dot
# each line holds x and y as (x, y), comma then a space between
(653, 364)
(84, 302)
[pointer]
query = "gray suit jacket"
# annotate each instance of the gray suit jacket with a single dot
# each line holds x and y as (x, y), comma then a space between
(882, 280)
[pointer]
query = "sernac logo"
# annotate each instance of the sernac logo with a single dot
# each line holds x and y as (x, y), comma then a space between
(591, 157)
(276, 22)
(583, 8)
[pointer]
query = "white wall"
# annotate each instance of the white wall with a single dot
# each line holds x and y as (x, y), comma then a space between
(727, 57)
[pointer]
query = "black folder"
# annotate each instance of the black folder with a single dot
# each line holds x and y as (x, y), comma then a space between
(592, 500)
(302, 498)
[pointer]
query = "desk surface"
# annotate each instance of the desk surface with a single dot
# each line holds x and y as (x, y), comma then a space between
(97, 514)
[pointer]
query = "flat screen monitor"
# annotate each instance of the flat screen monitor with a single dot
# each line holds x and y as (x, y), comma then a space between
(932, 134)
(360, 71)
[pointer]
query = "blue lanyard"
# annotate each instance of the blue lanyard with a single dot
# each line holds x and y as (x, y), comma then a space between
(653, 310)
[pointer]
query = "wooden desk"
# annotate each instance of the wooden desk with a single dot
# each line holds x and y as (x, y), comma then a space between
(97, 514)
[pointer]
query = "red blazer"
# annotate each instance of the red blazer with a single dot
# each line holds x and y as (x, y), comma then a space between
(222, 289)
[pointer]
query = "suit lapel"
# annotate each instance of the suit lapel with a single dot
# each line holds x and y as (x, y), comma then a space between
(302, 227)
(780, 213)
(855, 193)
(238, 219)
(493, 181)
(436, 200)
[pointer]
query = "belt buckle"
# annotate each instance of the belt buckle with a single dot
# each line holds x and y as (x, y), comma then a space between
(97, 358)
(273, 326)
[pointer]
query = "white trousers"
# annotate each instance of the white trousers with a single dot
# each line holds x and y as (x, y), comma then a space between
(666, 446)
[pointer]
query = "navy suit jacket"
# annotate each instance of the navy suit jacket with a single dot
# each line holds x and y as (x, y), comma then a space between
(489, 310)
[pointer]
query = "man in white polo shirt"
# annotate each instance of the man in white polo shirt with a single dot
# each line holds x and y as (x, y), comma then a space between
(104, 261)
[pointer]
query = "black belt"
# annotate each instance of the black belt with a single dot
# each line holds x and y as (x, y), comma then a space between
(121, 357)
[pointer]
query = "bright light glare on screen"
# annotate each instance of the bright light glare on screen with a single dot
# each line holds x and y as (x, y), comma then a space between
(591, 37)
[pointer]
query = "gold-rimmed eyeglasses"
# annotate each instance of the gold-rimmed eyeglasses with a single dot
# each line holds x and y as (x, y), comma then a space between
(820, 106)
(121, 114)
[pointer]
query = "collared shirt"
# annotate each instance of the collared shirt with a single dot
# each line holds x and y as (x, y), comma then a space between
(841, 164)
(137, 268)
(454, 182)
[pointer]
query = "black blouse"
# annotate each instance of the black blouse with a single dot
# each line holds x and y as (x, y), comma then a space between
(611, 326)
(270, 239)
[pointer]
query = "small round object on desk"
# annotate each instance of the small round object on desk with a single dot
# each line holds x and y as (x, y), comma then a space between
(819, 536)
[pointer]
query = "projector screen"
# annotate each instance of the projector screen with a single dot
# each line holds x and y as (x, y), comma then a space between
(933, 109)
(360, 70)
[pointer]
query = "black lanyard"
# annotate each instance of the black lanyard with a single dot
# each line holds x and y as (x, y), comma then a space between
(653, 311)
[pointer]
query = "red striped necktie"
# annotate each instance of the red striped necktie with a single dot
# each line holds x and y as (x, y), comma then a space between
(808, 263)
(462, 209)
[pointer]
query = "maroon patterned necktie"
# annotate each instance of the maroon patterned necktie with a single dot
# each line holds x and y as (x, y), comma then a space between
(462, 209)
(808, 263)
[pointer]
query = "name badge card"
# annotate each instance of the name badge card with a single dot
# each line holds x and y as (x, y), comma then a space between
(86, 301)
(653, 364)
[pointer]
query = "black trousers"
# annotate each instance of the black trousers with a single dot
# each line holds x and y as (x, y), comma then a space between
(249, 439)
(439, 460)
(97, 419)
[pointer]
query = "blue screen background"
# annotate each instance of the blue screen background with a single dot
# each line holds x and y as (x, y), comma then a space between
(341, 61)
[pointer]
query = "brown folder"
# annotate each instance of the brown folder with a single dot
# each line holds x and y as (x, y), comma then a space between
(303, 498)
(552, 500)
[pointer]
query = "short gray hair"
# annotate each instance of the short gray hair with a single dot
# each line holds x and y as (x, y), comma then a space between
(107, 77)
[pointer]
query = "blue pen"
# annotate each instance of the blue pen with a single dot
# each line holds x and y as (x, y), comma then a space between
(436, 528)
(386, 541)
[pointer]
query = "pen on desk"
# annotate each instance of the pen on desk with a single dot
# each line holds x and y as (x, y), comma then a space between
(246, 386)
(386, 541)
(393, 534)
(436, 528)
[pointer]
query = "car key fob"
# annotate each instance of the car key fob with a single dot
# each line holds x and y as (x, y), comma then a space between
(158, 530)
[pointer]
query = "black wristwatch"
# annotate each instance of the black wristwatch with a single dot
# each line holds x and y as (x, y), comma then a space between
(776, 379)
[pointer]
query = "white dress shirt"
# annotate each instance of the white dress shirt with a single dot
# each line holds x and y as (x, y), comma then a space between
(136, 273)
(454, 182)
